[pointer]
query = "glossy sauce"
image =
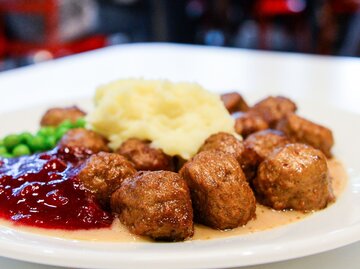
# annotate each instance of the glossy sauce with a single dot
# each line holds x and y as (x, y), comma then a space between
(266, 218)
(42, 190)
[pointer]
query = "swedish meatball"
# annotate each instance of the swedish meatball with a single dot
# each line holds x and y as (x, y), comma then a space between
(258, 146)
(155, 204)
(84, 139)
(226, 143)
(234, 102)
(273, 109)
(294, 177)
(220, 194)
(55, 116)
(264, 142)
(103, 173)
(248, 123)
(307, 132)
(145, 157)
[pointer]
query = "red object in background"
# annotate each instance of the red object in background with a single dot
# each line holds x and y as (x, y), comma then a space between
(17, 48)
(345, 6)
(2, 41)
(267, 10)
(49, 10)
(279, 7)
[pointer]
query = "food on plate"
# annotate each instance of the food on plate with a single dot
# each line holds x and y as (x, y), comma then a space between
(296, 177)
(102, 173)
(248, 123)
(155, 204)
(307, 132)
(221, 196)
(43, 190)
(260, 145)
(272, 109)
(234, 102)
(176, 117)
(226, 143)
(83, 139)
(162, 159)
(55, 116)
(15, 145)
(144, 157)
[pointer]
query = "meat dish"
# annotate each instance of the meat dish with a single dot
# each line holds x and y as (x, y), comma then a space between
(274, 158)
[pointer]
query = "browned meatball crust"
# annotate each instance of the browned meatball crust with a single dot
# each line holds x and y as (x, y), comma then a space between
(55, 116)
(258, 146)
(234, 102)
(294, 177)
(248, 123)
(262, 143)
(145, 157)
(226, 143)
(103, 173)
(220, 194)
(155, 204)
(83, 139)
(307, 132)
(272, 109)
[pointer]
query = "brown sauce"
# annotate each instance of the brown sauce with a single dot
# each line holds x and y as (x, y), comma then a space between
(266, 219)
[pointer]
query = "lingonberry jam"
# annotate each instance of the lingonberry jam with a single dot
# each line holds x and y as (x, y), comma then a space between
(42, 190)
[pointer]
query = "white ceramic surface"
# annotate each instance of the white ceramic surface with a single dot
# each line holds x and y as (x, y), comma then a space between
(325, 88)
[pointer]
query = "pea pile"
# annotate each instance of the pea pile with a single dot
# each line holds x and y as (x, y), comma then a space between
(15, 145)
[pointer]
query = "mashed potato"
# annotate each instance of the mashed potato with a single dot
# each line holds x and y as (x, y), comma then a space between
(176, 117)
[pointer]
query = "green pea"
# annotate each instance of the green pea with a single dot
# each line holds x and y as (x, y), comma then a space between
(66, 124)
(80, 123)
(21, 150)
(60, 132)
(47, 131)
(3, 150)
(11, 141)
(50, 142)
(25, 137)
(6, 155)
(37, 143)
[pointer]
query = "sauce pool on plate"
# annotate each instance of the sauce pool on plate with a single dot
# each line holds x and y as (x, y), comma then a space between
(100, 226)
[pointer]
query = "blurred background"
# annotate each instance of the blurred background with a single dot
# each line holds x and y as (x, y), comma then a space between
(33, 31)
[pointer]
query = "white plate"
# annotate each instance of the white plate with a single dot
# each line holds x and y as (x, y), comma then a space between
(328, 83)
(333, 227)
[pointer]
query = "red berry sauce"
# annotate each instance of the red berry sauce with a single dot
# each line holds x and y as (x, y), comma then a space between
(42, 190)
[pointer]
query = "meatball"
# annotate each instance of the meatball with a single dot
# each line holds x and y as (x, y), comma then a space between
(304, 131)
(258, 146)
(155, 204)
(220, 194)
(226, 143)
(103, 173)
(264, 142)
(84, 139)
(145, 157)
(248, 123)
(55, 116)
(273, 109)
(234, 102)
(294, 177)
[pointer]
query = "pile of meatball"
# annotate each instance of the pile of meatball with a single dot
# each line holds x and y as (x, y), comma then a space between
(280, 163)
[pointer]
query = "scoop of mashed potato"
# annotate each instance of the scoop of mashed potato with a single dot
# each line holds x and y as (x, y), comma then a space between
(176, 117)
